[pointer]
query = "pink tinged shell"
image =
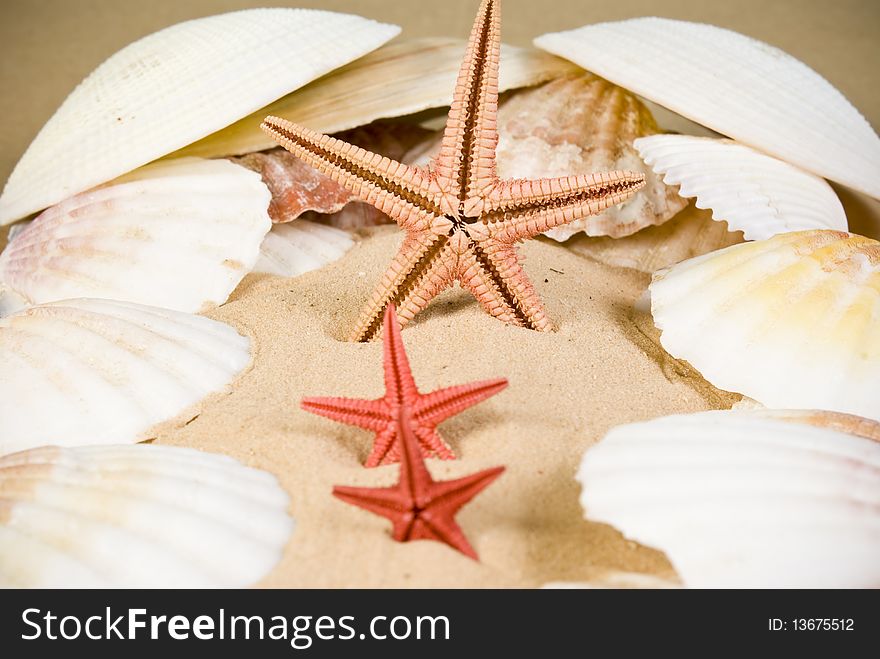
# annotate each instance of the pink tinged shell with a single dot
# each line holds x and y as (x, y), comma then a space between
(298, 188)
(583, 124)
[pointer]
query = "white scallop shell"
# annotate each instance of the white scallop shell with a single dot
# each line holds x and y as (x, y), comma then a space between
(792, 322)
(754, 193)
(105, 372)
(137, 517)
(178, 234)
(297, 247)
(737, 499)
(403, 77)
(176, 86)
(743, 88)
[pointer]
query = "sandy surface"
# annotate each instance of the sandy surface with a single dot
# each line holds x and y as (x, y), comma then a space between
(566, 389)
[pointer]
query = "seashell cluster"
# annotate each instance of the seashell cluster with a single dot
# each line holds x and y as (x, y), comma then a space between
(735, 85)
(401, 78)
(137, 517)
(744, 499)
(156, 192)
(152, 96)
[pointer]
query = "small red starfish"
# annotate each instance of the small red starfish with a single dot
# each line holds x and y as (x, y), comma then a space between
(419, 507)
(425, 411)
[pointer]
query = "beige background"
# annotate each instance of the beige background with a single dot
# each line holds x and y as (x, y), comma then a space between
(48, 46)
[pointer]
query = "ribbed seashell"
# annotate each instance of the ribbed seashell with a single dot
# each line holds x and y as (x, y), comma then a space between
(176, 86)
(178, 234)
(106, 372)
(137, 517)
(690, 233)
(754, 193)
(740, 499)
(298, 247)
(578, 125)
(738, 86)
(792, 322)
(401, 78)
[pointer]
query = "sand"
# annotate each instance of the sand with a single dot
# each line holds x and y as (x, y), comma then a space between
(600, 369)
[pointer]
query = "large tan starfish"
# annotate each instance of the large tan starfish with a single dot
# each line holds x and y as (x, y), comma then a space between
(462, 222)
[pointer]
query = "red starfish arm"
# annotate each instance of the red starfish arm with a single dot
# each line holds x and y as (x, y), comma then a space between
(445, 498)
(496, 278)
(367, 414)
(426, 527)
(400, 387)
(416, 275)
(439, 405)
(384, 447)
(401, 191)
(465, 166)
(520, 209)
(389, 502)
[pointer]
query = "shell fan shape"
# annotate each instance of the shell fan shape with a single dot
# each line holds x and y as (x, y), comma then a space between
(742, 499)
(735, 85)
(178, 234)
(137, 517)
(754, 193)
(792, 322)
(151, 97)
(105, 372)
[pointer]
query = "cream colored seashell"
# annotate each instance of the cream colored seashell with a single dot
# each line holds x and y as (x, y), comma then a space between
(754, 193)
(738, 86)
(298, 247)
(398, 79)
(690, 233)
(582, 124)
(137, 517)
(846, 423)
(106, 372)
(793, 321)
(738, 499)
(10, 301)
(176, 86)
(178, 234)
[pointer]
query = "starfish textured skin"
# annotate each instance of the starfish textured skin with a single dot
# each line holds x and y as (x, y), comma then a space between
(424, 411)
(419, 507)
(461, 222)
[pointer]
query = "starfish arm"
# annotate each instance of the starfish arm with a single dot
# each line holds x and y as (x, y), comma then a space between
(439, 405)
(493, 274)
(447, 532)
(445, 498)
(384, 449)
(465, 167)
(418, 273)
(401, 191)
(520, 209)
(400, 387)
(367, 414)
(389, 502)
